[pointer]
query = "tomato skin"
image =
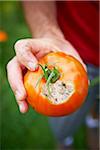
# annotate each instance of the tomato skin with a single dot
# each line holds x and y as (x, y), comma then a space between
(71, 70)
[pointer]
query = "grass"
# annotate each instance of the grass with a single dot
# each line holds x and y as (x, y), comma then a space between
(18, 131)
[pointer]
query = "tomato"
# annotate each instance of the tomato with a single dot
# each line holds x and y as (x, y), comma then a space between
(72, 74)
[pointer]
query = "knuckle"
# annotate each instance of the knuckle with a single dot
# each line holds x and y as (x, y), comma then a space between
(21, 45)
(22, 48)
(18, 43)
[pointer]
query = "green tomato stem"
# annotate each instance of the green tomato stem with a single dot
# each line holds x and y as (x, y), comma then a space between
(39, 79)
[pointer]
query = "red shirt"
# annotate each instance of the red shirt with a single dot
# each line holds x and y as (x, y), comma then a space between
(79, 21)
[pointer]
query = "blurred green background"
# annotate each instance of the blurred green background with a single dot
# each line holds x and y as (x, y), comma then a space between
(31, 130)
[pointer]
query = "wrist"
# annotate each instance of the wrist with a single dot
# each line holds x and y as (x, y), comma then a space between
(48, 31)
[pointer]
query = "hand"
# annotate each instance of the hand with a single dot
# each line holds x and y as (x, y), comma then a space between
(28, 52)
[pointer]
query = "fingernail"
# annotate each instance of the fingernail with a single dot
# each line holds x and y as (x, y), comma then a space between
(32, 66)
(22, 108)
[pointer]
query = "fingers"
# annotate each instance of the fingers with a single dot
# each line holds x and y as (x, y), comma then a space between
(16, 82)
(29, 51)
(43, 47)
(24, 54)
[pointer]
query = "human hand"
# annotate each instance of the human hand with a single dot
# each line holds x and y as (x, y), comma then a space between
(28, 52)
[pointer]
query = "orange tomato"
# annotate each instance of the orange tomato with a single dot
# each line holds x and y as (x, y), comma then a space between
(3, 36)
(72, 73)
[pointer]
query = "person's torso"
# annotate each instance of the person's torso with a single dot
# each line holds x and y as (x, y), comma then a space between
(79, 22)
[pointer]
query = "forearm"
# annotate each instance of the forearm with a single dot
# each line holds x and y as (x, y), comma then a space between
(42, 21)
(41, 18)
